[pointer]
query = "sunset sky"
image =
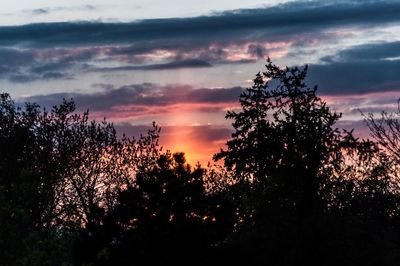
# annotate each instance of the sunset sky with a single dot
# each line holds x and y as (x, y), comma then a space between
(184, 63)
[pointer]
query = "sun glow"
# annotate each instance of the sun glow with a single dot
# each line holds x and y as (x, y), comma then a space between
(182, 139)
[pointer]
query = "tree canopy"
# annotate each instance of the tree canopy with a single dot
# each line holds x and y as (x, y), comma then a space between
(293, 188)
(284, 136)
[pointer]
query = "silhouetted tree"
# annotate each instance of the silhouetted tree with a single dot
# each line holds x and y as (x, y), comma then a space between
(28, 188)
(294, 189)
(386, 131)
(306, 190)
(166, 216)
(363, 182)
(60, 171)
(283, 137)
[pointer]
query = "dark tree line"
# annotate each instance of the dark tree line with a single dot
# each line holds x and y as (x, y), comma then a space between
(293, 189)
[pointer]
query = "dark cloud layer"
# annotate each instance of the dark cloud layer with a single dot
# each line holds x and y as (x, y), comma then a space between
(141, 94)
(360, 69)
(274, 23)
(353, 77)
(367, 52)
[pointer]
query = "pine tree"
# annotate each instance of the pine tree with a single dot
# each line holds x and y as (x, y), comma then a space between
(284, 134)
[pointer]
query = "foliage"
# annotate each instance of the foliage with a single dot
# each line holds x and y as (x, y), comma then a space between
(293, 189)
(166, 216)
(283, 138)
(60, 170)
(303, 186)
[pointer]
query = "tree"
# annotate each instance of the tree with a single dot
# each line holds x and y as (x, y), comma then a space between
(386, 131)
(28, 188)
(284, 134)
(307, 192)
(97, 163)
(166, 215)
(60, 173)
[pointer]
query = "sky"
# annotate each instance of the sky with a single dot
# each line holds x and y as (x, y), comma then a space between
(184, 64)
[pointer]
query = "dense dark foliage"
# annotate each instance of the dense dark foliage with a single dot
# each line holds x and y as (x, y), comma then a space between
(293, 189)
(307, 192)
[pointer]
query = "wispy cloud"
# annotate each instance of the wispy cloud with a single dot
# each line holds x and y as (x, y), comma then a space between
(193, 63)
(57, 9)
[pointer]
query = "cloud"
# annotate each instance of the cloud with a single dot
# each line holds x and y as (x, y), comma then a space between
(47, 10)
(141, 96)
(193, 63)
(25, 78)
(13, 58)
(89, 7)
(257, 50)
(352, 105)
(27, 65)
(366, 52)
(353, 77)
(359, 128)
(359, 69)
(240, 36)
(40, 11)
(20, 78)
(54, 75)
(271, 23)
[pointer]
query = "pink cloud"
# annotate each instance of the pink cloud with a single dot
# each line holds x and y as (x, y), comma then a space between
(351, 105)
